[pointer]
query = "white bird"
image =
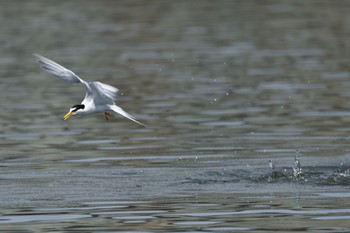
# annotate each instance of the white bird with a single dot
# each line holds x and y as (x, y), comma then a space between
(99, 97)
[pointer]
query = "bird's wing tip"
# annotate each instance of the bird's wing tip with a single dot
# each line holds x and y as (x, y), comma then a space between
(38, 57)
(144, 125)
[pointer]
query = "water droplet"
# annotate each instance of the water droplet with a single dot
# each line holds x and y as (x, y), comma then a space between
(272, 166)
(297, 173)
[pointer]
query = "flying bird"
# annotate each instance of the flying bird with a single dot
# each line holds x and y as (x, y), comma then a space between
(99, 97)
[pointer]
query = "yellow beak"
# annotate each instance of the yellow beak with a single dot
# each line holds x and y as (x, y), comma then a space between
(67, 115)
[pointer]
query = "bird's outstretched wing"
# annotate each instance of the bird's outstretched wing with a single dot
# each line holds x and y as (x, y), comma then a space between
(102, 93)
(125, 114)
(57, 70)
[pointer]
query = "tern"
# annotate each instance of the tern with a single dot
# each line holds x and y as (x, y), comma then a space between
(99, 97)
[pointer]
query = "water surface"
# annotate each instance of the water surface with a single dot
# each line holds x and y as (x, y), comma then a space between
(246, 102)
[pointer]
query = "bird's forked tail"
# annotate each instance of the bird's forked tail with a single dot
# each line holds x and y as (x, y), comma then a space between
(120, 111)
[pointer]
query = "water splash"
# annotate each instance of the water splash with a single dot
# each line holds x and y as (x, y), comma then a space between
(340, 176)
(272, 166)
(297, 171)
(273, 174)
(283, 175)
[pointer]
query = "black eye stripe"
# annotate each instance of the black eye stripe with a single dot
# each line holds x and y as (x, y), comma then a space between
(77, 107)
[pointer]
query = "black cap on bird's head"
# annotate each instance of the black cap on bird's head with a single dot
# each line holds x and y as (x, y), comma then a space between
(73, 110)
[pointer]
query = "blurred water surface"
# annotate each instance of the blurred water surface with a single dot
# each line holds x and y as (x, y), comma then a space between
(247, 104)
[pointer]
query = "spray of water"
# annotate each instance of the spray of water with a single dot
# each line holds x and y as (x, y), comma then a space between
(296, 166)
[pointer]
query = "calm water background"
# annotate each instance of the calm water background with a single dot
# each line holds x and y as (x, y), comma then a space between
(232, 91)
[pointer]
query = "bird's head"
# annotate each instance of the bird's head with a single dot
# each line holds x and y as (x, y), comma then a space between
(76, 109)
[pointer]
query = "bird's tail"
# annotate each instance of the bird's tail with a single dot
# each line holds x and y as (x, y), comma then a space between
(120, 111)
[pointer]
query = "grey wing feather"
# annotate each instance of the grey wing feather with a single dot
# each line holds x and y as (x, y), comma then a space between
(57, 70)
(103, 93)
(106, 94)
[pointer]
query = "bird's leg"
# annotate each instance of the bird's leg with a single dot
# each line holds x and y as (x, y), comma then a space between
(107, 115)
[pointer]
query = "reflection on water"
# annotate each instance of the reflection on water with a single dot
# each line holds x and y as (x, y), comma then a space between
(247, 103)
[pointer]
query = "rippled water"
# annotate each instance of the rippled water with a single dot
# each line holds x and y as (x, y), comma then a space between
(247, 104)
